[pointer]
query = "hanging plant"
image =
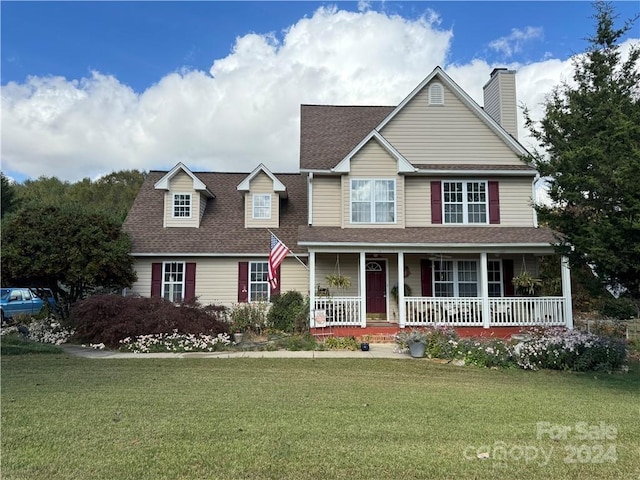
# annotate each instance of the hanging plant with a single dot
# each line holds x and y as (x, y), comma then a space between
(394, 291)
(526, 284)
(337, 280)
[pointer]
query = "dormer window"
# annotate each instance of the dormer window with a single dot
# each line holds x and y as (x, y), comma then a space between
(182, 205)
(262, 206)
(436, 94)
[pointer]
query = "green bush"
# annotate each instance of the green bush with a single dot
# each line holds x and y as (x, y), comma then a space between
(287, 311)
(621, 308)
(342, 343)
(249, 317)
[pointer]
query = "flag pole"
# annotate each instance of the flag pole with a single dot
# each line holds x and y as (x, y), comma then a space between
(296, 257)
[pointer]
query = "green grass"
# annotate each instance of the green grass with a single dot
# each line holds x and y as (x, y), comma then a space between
(16, 345)
(71, 418)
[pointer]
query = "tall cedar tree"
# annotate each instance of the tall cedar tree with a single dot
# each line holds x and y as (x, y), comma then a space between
(68, 248)
(590, 136)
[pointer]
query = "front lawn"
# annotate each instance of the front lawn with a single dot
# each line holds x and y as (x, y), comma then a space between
(70, 418)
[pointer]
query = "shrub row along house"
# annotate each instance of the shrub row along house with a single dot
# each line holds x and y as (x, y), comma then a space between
(424, 208)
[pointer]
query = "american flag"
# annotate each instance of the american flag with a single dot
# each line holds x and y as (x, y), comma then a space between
(277, 253)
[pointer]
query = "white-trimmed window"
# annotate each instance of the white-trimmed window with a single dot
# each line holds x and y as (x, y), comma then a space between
(262, 206)
(258, 282)
(464, 202)
(173, 281)
(182, 205)
(455, 278)
(373, 201)
(436, 94)
(494, 270)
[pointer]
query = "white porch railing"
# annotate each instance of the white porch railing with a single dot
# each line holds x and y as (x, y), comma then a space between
(503, 311)
(456, 311)
(339, 310)
(527, 311)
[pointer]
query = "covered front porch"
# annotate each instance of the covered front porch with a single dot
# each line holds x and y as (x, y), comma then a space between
(411, 289)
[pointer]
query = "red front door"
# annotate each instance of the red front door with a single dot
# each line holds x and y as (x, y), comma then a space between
(376, 287)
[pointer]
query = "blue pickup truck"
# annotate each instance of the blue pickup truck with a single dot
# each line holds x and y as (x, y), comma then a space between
(29, 301)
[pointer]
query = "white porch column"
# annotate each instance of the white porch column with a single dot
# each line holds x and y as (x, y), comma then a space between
(402, 314)
(312, 288)
(484, 290)
(565, 274)
(362, 282)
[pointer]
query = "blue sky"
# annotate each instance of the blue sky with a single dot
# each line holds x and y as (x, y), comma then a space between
(111, 85)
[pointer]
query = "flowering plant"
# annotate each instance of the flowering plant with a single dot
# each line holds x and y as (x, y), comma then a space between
(175, 342)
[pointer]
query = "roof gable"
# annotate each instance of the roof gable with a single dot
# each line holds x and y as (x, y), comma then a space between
(438, 73)
(278, 186)
(198, 185)
(404, 165)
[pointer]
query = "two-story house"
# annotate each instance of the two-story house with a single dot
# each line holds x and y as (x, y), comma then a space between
(425, 207)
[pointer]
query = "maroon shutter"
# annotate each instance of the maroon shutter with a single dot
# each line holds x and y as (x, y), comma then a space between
(494, 203)
(190, 282)
(425, 278)
(436, 202)
(276, 291)
(156, 279)
(243, 282)
(507, 273)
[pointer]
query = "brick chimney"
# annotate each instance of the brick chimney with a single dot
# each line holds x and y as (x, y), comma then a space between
(500, 99)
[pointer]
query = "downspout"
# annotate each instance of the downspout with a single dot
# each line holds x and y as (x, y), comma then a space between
(310, 198)
(534, 199)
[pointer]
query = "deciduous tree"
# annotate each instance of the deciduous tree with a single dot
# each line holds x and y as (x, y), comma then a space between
(67, 248)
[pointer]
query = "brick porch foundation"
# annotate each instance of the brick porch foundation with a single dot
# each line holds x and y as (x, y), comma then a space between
(385, 334)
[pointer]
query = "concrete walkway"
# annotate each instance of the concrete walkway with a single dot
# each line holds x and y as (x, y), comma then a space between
(376, 350)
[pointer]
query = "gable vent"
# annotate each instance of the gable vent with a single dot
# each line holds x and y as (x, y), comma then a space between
(436, 94)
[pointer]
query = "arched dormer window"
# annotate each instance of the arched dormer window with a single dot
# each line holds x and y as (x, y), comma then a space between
(436, 94)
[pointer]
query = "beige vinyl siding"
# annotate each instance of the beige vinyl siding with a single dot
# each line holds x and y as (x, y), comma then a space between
(373, 161)
(261, 184)
(449, 133)
(348, 265)
(217, 277)
(181, 183)
(515, 201)
(500, 102)
(203, 205)
(294, 276)
(142, 286)
(418, 200)
(326, 202)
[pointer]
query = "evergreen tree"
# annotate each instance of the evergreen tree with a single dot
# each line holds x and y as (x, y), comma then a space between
(590, 136)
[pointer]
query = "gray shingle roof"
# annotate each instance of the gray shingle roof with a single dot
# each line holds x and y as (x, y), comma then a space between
(428, 235)
(222, 228)
(328, 132)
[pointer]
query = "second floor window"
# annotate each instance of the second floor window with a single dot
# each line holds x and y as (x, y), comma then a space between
(182, 205)
(373, 201)
(262, 206)
(464, 202)
(258, 282)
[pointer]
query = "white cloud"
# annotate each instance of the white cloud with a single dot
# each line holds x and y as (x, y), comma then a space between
(245, 110)
(512, 43)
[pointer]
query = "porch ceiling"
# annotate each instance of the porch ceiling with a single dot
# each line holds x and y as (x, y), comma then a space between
(526, 237)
